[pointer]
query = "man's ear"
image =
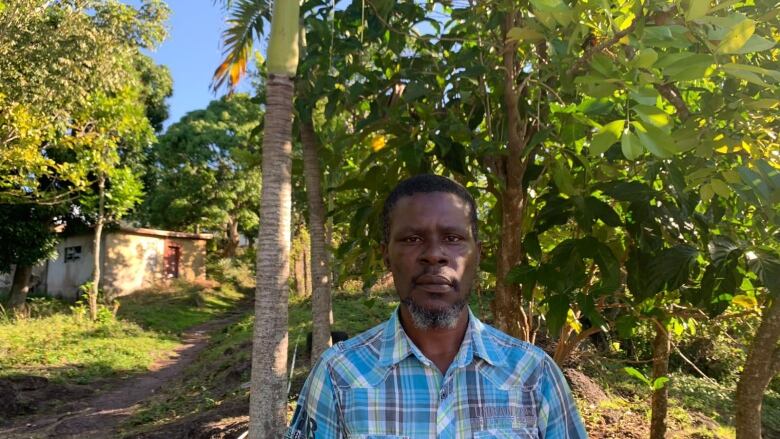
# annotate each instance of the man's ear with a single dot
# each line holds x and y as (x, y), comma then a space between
(479, 253)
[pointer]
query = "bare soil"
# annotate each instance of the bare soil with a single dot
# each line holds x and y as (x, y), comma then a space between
(99, 415)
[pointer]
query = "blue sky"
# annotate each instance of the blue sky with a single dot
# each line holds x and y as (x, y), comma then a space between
(192, 52)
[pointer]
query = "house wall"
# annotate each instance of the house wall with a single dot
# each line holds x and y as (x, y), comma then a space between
(64, 278)
(193, 258)
(134, 261)
(131, 262)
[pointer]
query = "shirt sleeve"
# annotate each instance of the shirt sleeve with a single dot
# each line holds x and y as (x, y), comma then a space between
(563, 421)
(317, 414)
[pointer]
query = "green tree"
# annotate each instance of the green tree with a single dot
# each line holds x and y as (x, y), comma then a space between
(205, 171)
(76, 122)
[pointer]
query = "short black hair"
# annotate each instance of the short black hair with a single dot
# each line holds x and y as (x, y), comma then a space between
(422, 184)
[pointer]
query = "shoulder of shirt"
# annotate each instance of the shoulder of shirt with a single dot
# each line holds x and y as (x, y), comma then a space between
(352, 362)
(512, 346)
(522, 361)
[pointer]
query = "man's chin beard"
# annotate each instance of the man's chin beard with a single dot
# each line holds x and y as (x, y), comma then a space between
(424, 318)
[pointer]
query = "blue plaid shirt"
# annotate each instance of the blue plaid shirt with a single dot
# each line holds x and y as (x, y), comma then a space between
(379, 385)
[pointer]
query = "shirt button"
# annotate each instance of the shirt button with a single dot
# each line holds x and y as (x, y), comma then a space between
(443, 395)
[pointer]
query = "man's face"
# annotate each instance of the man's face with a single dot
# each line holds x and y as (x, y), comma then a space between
(432, 254)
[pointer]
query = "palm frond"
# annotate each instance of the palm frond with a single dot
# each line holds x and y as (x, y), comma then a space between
(246, 22)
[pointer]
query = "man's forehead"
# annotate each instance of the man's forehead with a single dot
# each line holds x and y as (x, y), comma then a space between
(434, 200)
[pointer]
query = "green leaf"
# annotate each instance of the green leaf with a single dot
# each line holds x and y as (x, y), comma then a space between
(559, 10)
(637, 374)
(654, 139)
(766, 265)
(737, 37)
(659, 383)
(653, 116)
(645, 58)
(557, 309)
(532, 246)
(631, 146)
(720, 188)
(644, 96)
(689, 68)
(731, 68)
(524, 34)
(606, 136)
(603, 211)
(563, 179)
(666, 36)
(755, 44)
(671, 268)
(706, 192)
(697, 9)
(521, 274)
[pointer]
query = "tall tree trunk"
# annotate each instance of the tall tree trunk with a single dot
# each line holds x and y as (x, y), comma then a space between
(661, 346)
(232, 238)
(93, 292)
(507, 304)
(20, 286)
(320, 257)
(762, 364)
(268, 390)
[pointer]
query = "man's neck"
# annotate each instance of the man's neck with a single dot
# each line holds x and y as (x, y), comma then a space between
(440, 345)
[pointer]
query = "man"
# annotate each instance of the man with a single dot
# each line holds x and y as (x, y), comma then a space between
(434, 370)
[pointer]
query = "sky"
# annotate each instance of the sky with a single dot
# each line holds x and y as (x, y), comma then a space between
(192, 51)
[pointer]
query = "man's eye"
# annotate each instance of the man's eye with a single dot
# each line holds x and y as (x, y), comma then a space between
(453, 238)
(411, 239)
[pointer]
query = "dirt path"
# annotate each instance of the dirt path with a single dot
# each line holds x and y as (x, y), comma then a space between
(99, 415)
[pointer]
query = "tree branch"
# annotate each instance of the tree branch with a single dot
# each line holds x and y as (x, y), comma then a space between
(670, 92)
(415, 36)
(591, 51)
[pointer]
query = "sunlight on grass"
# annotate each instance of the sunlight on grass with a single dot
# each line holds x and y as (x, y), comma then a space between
(179, 307)
(62, 344)
(65, 347)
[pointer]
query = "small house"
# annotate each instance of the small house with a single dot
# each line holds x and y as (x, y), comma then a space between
(130, 259)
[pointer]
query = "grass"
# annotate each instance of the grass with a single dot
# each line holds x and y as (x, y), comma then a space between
(181, 306)
(61, 343)
(69, 348)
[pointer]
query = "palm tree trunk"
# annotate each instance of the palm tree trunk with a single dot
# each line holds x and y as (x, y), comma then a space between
(762, 364)
(268, 400)
(93, 292)
(320, 260)
(20, 286)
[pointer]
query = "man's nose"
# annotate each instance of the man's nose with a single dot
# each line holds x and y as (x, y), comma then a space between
(434, 254)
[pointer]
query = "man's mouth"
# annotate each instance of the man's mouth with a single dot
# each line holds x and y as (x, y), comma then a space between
(433, 283)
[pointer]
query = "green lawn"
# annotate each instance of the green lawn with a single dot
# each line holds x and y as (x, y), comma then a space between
(59, 342)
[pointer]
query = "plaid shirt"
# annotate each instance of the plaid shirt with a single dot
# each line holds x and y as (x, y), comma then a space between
(379, 385)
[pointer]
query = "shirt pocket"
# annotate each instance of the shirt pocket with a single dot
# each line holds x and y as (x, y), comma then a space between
(501, 433)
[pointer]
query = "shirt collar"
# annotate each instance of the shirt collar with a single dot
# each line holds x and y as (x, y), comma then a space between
(396, 345)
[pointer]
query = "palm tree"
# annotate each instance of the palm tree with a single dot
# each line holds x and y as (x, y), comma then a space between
(268, 398)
